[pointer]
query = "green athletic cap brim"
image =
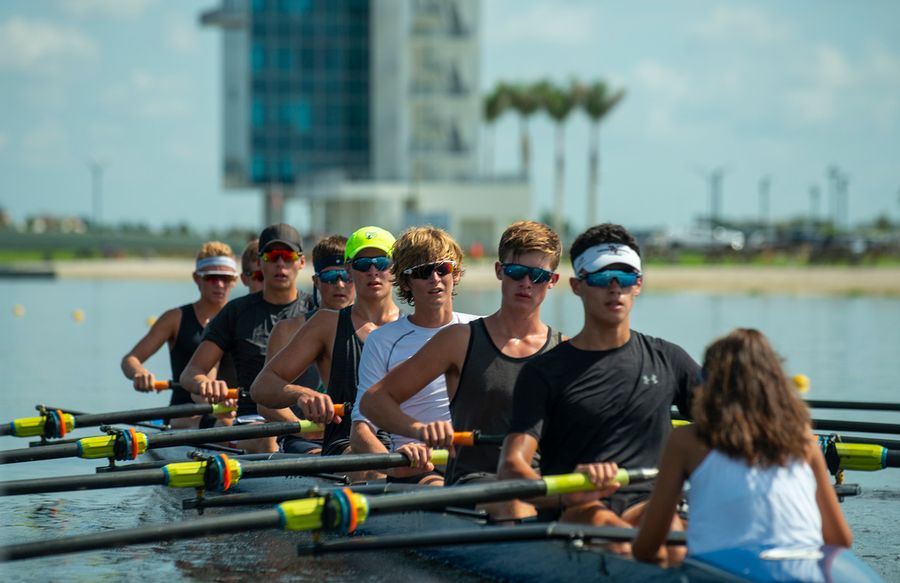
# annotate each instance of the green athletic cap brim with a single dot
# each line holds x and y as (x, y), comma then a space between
(368, 238)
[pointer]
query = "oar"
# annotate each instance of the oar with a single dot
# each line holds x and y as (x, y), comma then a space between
(861, 426)
(860, 405)
(491, 534)
(57, 422)
(250, 499)
(233, 393)
(225, 471)
(342, 511)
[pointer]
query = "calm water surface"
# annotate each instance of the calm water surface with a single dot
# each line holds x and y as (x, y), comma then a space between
(849, 348)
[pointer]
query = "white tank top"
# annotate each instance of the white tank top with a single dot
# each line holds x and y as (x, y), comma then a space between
(735, 505)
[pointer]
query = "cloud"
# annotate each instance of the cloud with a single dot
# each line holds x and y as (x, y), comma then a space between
(730, 24)
(180, 35)
(112, 9)
(150, 96)
(34, 46)
(45, 144)
(553, 23)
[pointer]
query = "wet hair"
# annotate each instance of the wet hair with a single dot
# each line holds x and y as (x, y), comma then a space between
(250, 255)
(328, 246)
(524, 237)
(418, 245)
(214, 249)
(746, 406)
(603, 233)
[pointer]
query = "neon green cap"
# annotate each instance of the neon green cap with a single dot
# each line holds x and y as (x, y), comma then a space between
(368, 237)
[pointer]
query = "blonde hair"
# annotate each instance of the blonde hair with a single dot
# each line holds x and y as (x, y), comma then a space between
(526, 236)
(214, 249)
(250, 255)
(418, 245)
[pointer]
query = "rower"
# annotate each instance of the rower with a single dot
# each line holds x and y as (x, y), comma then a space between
(758, 477)
(251, 275)
(480, 362)
(606, 394)
(333, 341)
(215, 274)
(427, 267)
(244, 324)
(334, 286)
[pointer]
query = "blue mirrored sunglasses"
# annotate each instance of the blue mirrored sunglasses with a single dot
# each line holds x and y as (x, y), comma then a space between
(605, 277)
(332, 275)
(364, 263)
(517, 271)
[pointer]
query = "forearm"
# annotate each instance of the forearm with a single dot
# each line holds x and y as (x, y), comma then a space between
(386, 413)
(273, 392)
(191, 377)
(364, 440)
(131, 366)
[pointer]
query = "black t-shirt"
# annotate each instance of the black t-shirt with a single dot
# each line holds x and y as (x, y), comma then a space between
(596, 406)
(242, 329)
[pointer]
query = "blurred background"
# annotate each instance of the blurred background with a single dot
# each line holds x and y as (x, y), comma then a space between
(753, 131)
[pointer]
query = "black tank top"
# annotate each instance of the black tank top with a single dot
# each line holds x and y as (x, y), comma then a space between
(483, 399)
(190, 334)
(344, 375)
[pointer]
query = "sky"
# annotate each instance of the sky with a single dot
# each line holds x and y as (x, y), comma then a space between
(758, 88)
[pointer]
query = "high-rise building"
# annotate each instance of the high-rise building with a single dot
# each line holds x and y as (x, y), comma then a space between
(360, 106)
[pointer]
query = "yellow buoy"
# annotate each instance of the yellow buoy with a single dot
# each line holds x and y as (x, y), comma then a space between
(78, 315)
(18, 310)
(801, 381)
(151, 320)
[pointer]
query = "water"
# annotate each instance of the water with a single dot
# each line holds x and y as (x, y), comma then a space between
(847, 346)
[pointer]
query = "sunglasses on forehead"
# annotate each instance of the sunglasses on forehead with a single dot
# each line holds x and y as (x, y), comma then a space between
(364, 263)
(425, 270)
(517, 271)
(285, 255)
(607, 276)
(332, 275)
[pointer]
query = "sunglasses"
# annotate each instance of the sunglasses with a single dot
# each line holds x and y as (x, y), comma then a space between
(283, 254)
(332, 275)
(516, 271)
(254, 275)
(605, 277)
(364, 263)
(218, 277)
(425, 270)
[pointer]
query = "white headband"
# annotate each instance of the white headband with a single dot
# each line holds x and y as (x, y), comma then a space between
(599, 256)
(217, 261)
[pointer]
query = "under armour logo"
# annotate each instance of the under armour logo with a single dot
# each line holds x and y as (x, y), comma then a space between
(650, 379)
(612, 250)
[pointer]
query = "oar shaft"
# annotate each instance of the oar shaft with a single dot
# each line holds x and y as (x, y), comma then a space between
(225, 433)
(82, 482)
(229, 523)
(321, 464)
(186, 410)
(863, 426)
(859, 405)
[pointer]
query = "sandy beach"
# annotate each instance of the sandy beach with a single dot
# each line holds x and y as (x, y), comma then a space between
(867, 281)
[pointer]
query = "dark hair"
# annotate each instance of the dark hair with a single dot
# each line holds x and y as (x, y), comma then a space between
(604, 233)
(328, 246)
(746, 407)
(527, 236)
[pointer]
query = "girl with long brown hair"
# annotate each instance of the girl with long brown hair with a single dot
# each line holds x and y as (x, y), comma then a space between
(757, 476)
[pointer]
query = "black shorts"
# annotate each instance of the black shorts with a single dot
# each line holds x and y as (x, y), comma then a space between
(618, 503)
(475, 478)
(413, 479)
(294, 444)
(337, 446)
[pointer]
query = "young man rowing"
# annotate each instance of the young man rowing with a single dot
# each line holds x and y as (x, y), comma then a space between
(333, 341)
(333, 284)
(604, 396)
(427, 267)
(479, 360)
(242, 328)
(182, 328)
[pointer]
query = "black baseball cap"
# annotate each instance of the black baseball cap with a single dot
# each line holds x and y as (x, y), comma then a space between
(280, 233)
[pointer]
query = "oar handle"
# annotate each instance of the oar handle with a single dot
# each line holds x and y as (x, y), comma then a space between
(470, 438)
(166, 385)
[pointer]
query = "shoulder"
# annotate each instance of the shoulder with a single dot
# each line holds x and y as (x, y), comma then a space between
(169, 317)
(556, 360)
(661, 346)
(463, 318)
(243, 302)
(323, 321)
(288, 326)
(390, 331)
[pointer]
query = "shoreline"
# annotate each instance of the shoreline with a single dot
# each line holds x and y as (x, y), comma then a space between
(724, 279)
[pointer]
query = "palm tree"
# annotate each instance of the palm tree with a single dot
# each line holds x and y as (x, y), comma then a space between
(558, 104)
(597, 100)
(525, 100)
(495, 103)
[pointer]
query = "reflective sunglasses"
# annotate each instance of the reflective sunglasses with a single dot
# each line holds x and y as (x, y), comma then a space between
(284, 254)
(332, 275)
(425, 270)
(218, 277)
(517, 271)
(254, 275)
(605, 277)
(364, 263)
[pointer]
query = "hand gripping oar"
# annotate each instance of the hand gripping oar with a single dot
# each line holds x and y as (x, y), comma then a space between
(340, 511)
(191, 474)
(233, 393)
(128, 444)
(54, 423)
